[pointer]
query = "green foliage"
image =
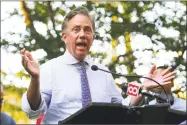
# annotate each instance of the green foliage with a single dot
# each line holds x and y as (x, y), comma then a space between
(12, 97)
(184, 2)
(47, 14)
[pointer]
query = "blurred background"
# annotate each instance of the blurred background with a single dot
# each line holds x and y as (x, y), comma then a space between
(130, 37)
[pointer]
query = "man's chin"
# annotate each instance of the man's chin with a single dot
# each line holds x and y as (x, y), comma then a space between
(80, 56)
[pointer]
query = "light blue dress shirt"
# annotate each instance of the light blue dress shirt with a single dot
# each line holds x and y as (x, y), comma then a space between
(60, 88)
(179, 104)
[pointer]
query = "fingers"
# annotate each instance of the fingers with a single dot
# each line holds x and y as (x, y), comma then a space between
(26, 57)
(26, 53)
(166, 71)
(24, 61)
(29, 55)
(23, 57)
(166, 83)
(152, 69)
(156, 86)
(169, 78)
(169, 75)
(23, 51)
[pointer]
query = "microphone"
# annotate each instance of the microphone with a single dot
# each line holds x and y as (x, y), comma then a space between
(95, 68)
(159, 96)
(134, 89)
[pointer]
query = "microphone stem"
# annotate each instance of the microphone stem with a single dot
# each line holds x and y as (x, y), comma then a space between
(139, 76)
(159, 85)
(121, 74)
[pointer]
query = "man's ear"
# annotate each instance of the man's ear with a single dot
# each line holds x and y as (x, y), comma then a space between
(64, 37)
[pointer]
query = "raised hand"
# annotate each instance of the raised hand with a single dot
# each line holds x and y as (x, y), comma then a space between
(164, 78)
(30, 65)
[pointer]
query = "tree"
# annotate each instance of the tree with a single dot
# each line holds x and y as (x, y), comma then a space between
(114, 20)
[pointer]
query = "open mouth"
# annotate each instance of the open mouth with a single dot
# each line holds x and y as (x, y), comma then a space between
(81, 44)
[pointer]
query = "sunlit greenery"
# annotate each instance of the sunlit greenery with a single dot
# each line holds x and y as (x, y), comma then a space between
(12, 103)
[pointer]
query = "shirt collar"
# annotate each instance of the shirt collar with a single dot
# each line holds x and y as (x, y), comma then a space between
(69, 59)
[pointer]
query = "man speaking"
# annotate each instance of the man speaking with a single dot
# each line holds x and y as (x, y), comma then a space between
(65, 84)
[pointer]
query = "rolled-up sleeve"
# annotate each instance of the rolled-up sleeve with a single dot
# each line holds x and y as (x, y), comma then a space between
(27, 109)
(45, 91)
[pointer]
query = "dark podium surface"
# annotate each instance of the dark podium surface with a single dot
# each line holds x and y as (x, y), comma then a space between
(111, 113)
(175, 116)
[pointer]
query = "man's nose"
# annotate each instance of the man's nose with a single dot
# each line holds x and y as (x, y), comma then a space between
(82, 34)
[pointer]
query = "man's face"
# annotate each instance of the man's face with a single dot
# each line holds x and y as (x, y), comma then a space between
(167, 87)
(78, 36)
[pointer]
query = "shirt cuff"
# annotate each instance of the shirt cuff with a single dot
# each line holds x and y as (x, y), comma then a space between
(27, 109)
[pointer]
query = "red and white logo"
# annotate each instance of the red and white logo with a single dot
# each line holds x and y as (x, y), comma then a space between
(133, 89)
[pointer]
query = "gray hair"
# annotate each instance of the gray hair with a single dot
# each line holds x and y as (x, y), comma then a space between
(80, 10)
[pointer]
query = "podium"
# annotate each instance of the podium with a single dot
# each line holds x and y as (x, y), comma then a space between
(175, 116)
(113, 113)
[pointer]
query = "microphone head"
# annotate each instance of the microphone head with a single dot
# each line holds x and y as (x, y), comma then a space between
(94, 68)
(133, 89)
